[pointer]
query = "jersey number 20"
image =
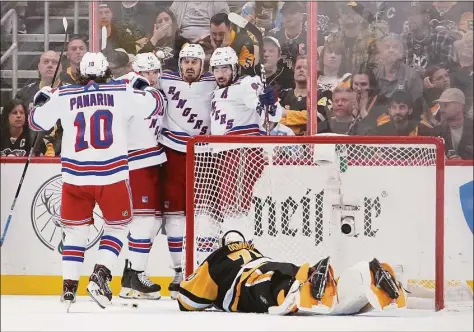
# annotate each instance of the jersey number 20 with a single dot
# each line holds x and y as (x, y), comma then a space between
(101, 136)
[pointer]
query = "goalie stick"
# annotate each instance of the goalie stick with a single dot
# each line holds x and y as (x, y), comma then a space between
(244, 24)
(36, 139)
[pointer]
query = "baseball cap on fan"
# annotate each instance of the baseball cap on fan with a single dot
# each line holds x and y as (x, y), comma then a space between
(452, 95)
(273, 40)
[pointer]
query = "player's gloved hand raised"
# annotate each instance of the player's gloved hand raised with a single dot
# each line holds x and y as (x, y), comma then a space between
(42, 96)
(268, 96)
(137, 81)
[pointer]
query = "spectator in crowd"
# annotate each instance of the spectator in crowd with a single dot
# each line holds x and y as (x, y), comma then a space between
(134, 16)
(194, 17)
(426, 47)
(264, 14)
(456, 130)
(359, 42)
(330, 74)
(46, 67)
(223, 35)
(76, 48)
(15, 137)
(462, 74)
(278, 76)
(435, 82)
(327, 19)
(400, 107)
(370, 108)
(20, 7)
(165, 40)
(392, 74)
(117, 36)
(119, 62)
(293, 101)
(342, 120)
(292, 34)
(449, 13)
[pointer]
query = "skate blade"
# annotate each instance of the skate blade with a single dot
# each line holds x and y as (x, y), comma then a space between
(147, 296)
(68, 305)
(126, 293)
(98, 298)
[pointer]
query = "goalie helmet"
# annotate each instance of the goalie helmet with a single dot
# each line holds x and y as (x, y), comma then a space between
(93, 64)
(225, 56)
(192, 51)
(231, 237)
(146, 62)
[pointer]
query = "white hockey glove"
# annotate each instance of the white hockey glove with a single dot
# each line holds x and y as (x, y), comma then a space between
(136, 80)
(42, 96)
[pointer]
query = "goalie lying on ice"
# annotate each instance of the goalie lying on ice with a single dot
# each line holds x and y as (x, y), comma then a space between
(237, 278)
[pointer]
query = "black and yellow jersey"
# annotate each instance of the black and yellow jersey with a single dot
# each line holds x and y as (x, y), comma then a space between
(218, 280)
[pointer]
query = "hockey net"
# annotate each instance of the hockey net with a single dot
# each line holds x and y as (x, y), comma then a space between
(301, 199)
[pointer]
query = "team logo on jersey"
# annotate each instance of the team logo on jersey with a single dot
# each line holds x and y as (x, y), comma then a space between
(144, 199)
(46, 216)
(124, 213)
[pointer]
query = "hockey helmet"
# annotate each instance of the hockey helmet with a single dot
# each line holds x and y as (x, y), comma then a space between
(93, 64)
(192, 51)
(232, 236)
(225, 56)
(146, 62)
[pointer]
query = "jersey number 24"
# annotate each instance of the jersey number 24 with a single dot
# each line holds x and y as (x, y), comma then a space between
(101, 136)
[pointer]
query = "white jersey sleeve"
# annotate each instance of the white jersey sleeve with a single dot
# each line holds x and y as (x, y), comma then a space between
(95, 119)
(188, 111)
(236, 109)
(143, 147)
(43, 118)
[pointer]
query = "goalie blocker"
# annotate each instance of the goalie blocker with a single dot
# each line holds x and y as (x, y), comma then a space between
(238, 278)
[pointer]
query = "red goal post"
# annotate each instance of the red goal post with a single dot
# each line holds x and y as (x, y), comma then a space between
(357, 184)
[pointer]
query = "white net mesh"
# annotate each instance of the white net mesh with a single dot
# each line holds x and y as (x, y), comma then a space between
(302, 202)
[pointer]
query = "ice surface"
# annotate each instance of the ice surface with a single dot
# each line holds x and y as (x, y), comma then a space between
(46, 313)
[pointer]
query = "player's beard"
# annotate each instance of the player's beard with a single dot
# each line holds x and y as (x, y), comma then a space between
(223, 82)
(399, 119)
(190, 73)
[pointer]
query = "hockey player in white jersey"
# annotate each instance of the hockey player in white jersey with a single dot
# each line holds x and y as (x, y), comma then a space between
(189, 93)
(95, 117)
(144, 157)
(240, 104)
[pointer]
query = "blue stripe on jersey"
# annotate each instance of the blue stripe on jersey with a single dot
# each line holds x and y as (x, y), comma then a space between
(95, 173)
(146, 155)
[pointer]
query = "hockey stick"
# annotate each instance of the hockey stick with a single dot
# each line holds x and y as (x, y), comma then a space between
(103, 34)
(33, 146)
(244, 24)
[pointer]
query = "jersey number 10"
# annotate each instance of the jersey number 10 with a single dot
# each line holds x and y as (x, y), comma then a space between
(101, 136)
